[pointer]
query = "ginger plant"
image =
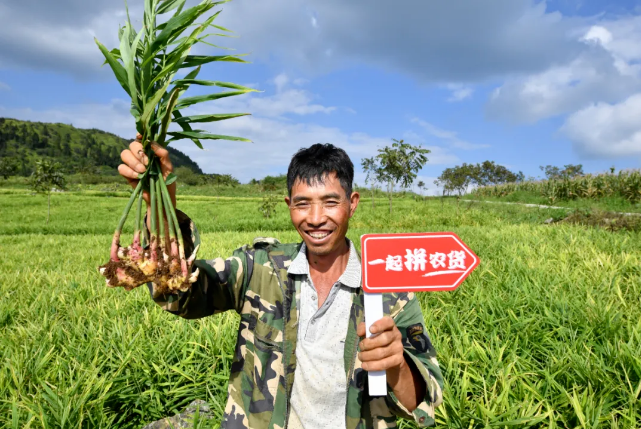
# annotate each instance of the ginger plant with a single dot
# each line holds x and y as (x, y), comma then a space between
(146, 65)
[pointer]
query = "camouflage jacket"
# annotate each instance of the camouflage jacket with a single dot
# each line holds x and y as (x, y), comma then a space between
(254, 282)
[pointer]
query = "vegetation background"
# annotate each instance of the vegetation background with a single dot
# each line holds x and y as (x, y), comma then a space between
(545, 333)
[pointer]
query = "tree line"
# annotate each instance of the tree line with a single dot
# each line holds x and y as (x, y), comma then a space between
(461, 178)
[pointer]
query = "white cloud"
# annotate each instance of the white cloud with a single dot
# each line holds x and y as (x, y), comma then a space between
(4, 87)
(594, 89)
(606, 70)
(283, 102)
(603, 130)
(459, 92)
(281, 81)
(451, 137)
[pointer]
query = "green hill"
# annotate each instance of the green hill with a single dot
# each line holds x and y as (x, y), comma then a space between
(78, 150)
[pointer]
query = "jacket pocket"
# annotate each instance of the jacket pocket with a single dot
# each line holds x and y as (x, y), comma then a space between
(263, 369)
(268, 358)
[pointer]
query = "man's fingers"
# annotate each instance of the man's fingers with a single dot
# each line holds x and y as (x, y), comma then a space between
(381, 340)
(126, 172)
(132, 161)
(163, 155)
(136, 148)
(383, 365)
(384, 324)
(381, 353)
(160, 151)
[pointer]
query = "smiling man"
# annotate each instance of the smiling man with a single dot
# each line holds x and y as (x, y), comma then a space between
(300, 358)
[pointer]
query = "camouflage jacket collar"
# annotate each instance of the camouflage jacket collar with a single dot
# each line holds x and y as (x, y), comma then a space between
(350, 278)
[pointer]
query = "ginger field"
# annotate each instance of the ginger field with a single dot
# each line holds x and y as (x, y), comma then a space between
(545, 333)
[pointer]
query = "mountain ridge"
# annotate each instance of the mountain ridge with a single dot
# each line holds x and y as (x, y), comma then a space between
(77, 149)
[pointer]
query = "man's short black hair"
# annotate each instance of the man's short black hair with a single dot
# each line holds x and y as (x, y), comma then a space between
(315, 162)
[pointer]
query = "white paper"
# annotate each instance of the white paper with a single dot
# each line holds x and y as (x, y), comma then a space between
(377, 380)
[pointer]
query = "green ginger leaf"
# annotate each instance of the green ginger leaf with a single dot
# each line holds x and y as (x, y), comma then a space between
(168, 5)
(151, 105)
(171, 178)
(177, 24)
(190, 101)
(118, 69)
(209, 118)
(230, 85)
(199, 134)
(199, 60)
(167, 118)
(186, 127)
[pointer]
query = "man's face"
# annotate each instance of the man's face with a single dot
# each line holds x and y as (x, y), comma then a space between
(321, 212)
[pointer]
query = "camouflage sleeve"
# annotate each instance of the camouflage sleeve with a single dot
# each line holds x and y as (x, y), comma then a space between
(419, 352)
(221, 283)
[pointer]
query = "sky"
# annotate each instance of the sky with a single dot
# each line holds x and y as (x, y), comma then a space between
(519, 82)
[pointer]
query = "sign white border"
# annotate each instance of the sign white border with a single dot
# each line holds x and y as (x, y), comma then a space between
(411, 288)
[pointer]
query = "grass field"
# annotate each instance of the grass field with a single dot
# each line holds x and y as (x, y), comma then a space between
(545, 333)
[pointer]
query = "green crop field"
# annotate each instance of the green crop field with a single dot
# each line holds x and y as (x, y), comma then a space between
(545, 333)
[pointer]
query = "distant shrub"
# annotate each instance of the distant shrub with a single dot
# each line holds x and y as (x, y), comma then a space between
(268, 205)
(187, 176)
(219, 179)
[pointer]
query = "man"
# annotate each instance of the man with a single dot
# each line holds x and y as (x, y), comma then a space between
(300, 360)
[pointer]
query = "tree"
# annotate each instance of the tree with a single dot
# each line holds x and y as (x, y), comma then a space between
(399, 164)
(370, 168)
(490, 173)
(457, 179)
(569, 171)
(8, 167)
(46, 176)
(422, 187)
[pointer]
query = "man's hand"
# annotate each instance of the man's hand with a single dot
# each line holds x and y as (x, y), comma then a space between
(384, 352)
(135, 161)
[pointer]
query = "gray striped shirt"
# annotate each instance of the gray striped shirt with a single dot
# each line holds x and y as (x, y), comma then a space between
(319, 395)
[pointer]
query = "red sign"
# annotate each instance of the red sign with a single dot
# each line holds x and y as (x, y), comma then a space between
(415, 262)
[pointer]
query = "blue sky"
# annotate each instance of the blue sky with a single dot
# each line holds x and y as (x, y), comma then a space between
(519, 82)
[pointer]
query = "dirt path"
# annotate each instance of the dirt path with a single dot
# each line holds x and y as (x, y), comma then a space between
(540, 206)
